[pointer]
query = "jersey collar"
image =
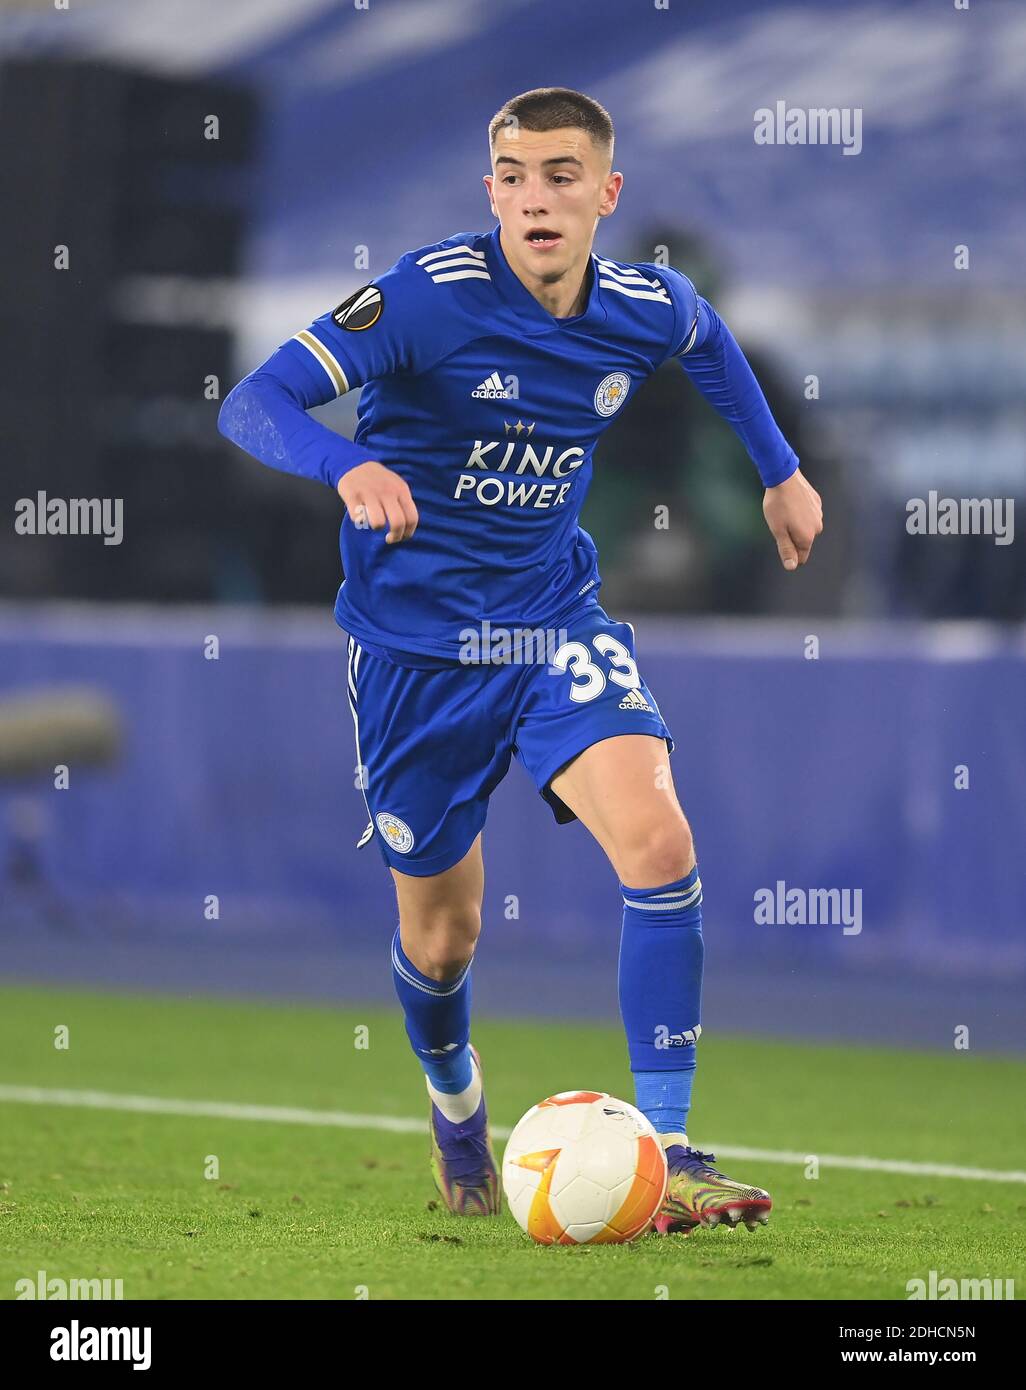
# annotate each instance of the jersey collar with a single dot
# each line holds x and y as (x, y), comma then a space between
(522, 301)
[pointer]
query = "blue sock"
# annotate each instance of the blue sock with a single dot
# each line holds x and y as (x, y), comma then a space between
(664, 1097)
(661, 960)
(437, 1021)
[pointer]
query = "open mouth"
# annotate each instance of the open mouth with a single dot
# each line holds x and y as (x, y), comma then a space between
(543, 237)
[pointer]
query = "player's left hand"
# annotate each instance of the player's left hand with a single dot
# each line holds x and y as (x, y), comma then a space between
(794, 513)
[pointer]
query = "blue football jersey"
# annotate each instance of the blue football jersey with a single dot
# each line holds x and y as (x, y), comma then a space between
(490, 409)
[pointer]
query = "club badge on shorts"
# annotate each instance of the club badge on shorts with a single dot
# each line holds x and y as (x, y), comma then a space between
(395, 832)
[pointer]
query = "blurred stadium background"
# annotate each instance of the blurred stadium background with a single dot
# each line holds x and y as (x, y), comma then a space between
(344, 134)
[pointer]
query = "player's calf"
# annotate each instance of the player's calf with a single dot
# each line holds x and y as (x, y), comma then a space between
(440, 918)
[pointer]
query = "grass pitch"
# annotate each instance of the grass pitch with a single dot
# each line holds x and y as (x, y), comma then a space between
(304, 1211)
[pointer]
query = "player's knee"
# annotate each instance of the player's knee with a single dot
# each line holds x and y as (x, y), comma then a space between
(442, 940)
(660, 853)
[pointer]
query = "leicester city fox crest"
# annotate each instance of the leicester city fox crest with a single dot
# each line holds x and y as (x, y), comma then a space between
(361, 310)
(396, 833)
(612, 392)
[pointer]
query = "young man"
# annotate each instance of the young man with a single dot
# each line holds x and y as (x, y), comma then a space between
(491, 363)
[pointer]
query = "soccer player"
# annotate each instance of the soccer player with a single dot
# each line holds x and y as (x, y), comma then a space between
(491, 362)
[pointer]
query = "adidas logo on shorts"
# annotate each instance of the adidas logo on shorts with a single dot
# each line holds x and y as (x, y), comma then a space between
(635, 700)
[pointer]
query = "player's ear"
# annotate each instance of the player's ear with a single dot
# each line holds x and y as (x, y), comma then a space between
(610, 194)
(488, 182)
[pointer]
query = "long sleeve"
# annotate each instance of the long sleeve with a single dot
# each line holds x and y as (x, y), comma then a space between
(266, 415)
(720, 370)
(266, 412)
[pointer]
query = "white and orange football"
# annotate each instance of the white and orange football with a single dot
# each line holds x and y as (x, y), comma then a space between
(583, 1168)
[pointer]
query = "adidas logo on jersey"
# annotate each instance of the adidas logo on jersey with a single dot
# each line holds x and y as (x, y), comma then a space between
(635, 700)
(492, 389)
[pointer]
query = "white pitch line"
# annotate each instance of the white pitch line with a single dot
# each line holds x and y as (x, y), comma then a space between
(214, 1109)
(398, 1124)
(871, 1165)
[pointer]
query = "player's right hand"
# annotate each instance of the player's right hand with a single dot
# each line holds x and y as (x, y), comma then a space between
(794, 513)
(375, 496)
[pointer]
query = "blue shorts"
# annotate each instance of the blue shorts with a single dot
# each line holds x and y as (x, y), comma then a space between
(433, 745)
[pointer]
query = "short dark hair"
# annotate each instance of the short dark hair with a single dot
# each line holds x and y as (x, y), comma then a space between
(553, 108)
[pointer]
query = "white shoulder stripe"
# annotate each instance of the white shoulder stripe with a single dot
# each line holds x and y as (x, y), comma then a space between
(327, 359)
(638, 280)
(660, 296)
(462, 275)
(451, 251)
(453, 261)
(623, 272)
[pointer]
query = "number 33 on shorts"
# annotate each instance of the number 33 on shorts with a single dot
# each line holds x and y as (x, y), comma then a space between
(591, 690)
(590, 679)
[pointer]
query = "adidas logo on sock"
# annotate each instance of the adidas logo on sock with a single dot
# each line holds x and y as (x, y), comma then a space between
(635, 700)
(492, 389)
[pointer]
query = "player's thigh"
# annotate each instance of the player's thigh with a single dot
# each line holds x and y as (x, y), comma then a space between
(440, 915)
(622, 789)
(590, 733)
(432, 746)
